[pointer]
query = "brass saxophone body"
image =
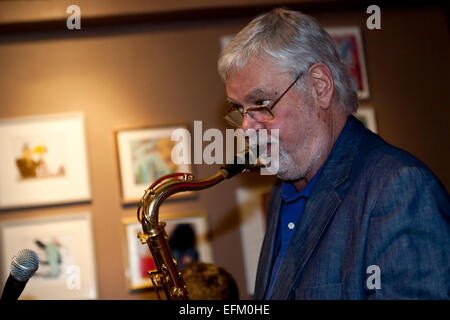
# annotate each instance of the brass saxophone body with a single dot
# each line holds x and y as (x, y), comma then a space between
(167, 274)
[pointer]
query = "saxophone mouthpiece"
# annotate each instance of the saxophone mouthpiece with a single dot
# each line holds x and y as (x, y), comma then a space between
(245, 161)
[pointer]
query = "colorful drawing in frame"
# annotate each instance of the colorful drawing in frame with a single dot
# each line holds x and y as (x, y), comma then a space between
(187, 238)
(44, 161)
(349, 46)
(65, 247)
(348, 43)
(145, 154)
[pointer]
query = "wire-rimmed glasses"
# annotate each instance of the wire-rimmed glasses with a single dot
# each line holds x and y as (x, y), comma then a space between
(260, 113)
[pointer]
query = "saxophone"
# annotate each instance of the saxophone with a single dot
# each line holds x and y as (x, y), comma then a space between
(167, 274)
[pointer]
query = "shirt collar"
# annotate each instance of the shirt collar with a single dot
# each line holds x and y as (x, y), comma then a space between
(289, 192)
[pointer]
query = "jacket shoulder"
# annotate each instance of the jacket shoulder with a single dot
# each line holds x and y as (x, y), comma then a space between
(378, 157)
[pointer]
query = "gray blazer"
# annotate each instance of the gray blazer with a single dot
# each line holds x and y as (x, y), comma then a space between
(376, 226)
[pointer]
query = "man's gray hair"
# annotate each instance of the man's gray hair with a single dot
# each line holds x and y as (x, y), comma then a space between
(296, 41)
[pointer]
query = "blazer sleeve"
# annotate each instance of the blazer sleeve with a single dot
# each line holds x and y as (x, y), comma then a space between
(408, 239)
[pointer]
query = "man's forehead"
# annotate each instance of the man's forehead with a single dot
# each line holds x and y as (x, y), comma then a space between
(254, 67)
(254, 80)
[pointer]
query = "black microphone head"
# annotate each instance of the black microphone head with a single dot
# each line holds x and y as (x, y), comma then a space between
(24, 264)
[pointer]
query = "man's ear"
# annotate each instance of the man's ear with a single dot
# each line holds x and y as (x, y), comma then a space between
(321, 84)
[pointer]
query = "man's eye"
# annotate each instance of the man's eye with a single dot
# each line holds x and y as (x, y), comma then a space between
(263, 103)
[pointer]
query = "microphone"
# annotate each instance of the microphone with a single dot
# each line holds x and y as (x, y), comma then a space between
(23, 265)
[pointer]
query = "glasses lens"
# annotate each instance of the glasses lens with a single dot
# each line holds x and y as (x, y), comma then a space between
(234, 118)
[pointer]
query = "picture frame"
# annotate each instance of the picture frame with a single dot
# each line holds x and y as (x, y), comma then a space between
(349, 45)
(65, 247)
(144, 155)
(367, 116)
(138, 259)
(43, 161)
(252, 206)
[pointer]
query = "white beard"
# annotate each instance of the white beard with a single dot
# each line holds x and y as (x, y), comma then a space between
(292, 170)
(282, 164)
(288, 168)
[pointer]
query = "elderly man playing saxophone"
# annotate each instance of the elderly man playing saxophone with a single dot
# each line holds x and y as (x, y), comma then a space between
(351, 216)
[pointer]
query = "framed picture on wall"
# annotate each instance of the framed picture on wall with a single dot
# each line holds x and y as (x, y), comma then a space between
(65, 247)
(188, 241)
(348, 42)
(367, 116)
(145, 154)
(349, 45)
(252, 203)
(43, 161)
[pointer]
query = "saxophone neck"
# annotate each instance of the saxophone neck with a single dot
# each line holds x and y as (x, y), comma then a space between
(167, 186)
(174, 183)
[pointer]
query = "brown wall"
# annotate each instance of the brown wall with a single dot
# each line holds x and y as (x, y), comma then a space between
(165, 73)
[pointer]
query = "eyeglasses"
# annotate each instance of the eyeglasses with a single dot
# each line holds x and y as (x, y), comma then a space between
(260, 113)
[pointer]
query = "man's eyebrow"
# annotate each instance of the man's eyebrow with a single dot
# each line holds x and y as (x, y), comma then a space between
(255, 94)
(252, 96)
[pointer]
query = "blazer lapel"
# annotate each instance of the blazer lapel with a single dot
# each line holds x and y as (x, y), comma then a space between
(317, 214)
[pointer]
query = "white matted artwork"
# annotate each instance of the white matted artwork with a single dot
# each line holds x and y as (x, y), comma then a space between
(367, 116)
(65, 247)
(43, 161)
(252, 203)
(190, 229)
(145, 155)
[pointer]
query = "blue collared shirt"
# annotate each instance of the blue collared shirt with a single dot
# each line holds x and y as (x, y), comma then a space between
(293, 204)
